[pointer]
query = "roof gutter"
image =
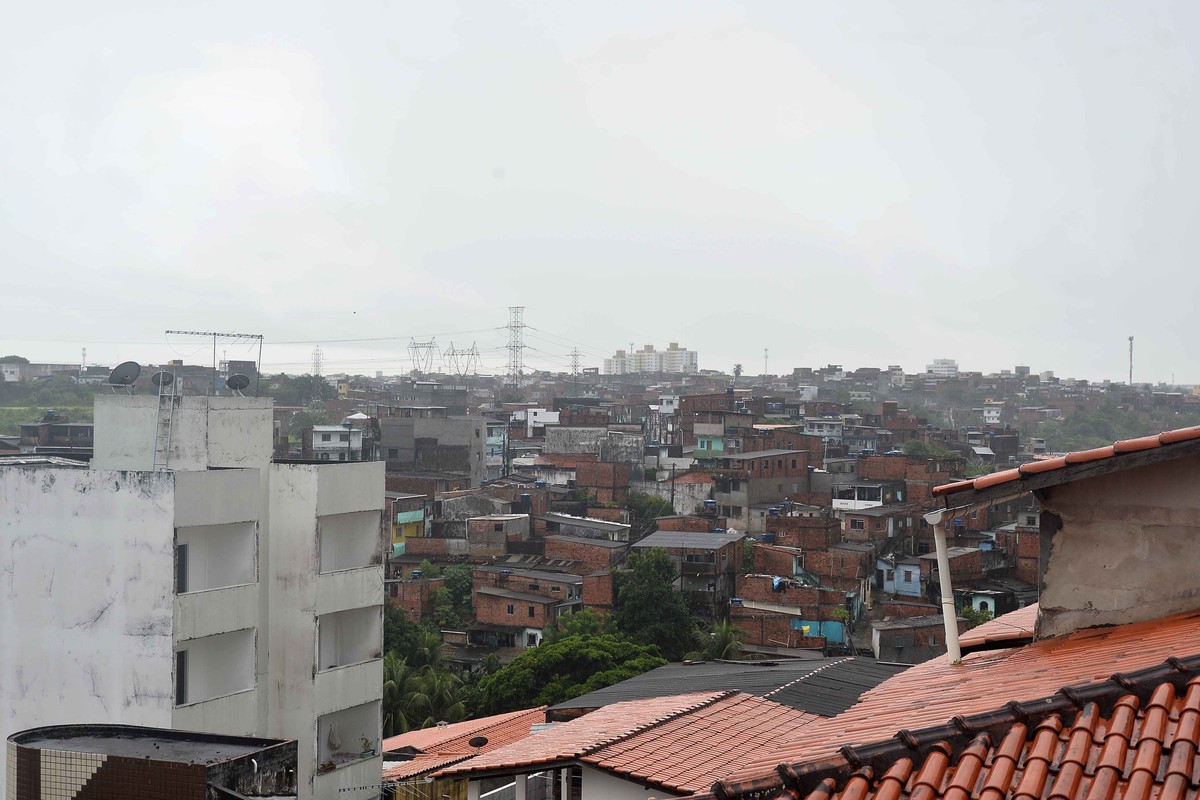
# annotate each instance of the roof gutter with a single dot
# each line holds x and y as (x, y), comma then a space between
(949, 616)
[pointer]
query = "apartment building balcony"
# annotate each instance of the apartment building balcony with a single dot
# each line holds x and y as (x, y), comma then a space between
(347, 737)
(349, 637)
(214, 611)
(349, 541)
(213, 667)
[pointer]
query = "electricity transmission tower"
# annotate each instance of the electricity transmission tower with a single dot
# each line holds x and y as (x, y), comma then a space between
(461, 361)
(423, 355)
(516, 344)
(318, 358)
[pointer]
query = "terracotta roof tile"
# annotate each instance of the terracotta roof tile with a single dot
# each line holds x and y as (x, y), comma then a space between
(441, 746)
(936, 691)
(1080, 457)
(1011, 627)
(675, 743)
(1072, 750)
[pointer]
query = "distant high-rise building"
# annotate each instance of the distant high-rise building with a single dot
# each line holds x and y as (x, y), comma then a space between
(674, 359)
(943, 368)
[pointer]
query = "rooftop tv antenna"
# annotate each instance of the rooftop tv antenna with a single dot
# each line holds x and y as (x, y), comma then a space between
(251, 337)
(123, 376)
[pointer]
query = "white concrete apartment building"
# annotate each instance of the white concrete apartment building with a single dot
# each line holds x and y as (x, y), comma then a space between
(224, 593)
(674, 359)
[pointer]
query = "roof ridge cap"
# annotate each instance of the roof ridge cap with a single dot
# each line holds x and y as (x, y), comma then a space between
(808, 675)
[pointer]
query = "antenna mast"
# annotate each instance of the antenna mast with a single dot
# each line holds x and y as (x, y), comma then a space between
(1131, 361)
(212, 388)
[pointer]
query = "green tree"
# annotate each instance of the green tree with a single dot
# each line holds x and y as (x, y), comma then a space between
(313, 415)
(399, 635)
(649, 610)
(437, 697)
(737, 370)
(720, 641)
(587, 622)
(645, 509)
(569, 667)
(399, 685)
(973, 617)
(13, 360)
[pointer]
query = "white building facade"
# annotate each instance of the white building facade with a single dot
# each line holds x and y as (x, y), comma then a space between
(674, 359)
(224, 593)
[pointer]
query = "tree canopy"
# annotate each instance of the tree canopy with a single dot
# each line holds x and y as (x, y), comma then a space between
(567, 667)
(649, 610)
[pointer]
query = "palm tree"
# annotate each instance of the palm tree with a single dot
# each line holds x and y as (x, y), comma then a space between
(722, 640)
(438, 697)
(400, 683)
(427, 654)
(737, 370)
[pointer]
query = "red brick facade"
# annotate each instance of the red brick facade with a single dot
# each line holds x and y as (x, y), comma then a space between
(808, 533)
(588, 557)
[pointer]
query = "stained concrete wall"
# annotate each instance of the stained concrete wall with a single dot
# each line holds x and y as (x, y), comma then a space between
(86, 590)
(1127, 548)
(205, 432)
(299, 496)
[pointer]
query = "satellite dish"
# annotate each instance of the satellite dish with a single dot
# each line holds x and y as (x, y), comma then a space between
(237, 383)
(161, 379)
(477, 741)
(125, 374)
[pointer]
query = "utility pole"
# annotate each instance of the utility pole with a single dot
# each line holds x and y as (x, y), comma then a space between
(672, 485)
(1131, 361)
(765, 372)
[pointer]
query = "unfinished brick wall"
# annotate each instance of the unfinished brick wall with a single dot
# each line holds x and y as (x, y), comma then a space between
(588, 558)
(772, 630)
(690, 523)
(494, 610)
(599, 592)
(412, 596)
(968, 566)
(810, 601)
(771, 560)
(429, 487)
(808, 533)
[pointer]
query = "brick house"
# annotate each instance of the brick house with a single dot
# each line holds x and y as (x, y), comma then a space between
(515, 607)
(707, 564)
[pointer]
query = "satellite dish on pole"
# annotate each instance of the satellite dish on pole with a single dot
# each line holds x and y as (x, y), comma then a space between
(161, 379)
(237, 383)
(124, 375)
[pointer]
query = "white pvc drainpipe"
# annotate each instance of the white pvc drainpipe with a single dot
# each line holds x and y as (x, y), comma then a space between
(949, 615)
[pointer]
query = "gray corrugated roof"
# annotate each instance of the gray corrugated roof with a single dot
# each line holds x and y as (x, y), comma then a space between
(692, 540)
(841, 682)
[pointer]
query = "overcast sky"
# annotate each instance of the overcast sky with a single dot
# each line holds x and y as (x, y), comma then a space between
(857, 183)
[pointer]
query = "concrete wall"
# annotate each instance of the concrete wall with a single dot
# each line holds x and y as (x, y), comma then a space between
(299, 495)
(86, 588)
(688, 496)
(206, 432)
(600, 785)
(1127, 550)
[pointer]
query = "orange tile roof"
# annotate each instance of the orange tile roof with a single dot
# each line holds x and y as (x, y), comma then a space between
(937, 691)
(589, 732)
(441, 746)
(674, 743)
(1014, 626)
(1134, 736)
(1113, 451)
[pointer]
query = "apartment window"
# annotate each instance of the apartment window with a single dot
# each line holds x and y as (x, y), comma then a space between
(510, 609)
(343, 437)
(181, 678)
(856, 525)
(393, 452)
(498, 527)
(556, 588)
(341, 456)
(325, 437)
(793, 463)
(532, 612)
(890, 576)
(908, 576)
(476, 433)
(181, 569)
